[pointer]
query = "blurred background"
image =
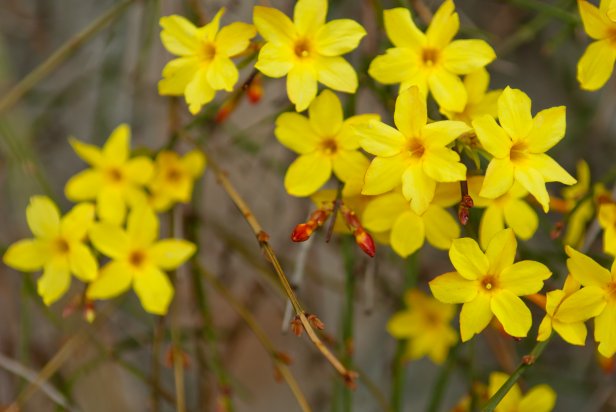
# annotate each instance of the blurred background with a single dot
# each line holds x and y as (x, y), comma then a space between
(112, 78)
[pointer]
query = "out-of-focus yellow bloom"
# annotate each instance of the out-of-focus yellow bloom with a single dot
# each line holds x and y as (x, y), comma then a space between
(57, 247)
(174, 177)
(415, 154)
(391, 213)
(325, 142)
(540, 398)
(480, 101)
(426, 325)
(579, 218)
(508, 209)
(488, 284)
(114, 180)
(204, 58)
(307, 49)
(138, 259)
(519, 145)
(431, 61)
(607, 220)
(596, 299)
(597, 63)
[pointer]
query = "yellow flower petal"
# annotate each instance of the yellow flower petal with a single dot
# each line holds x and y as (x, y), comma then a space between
(498, 179)
(176, 76)
(273, 25)
(443, 132)
(444, 25)
(82, 262)
(179, 35)
(418, 188)
(466, 56)
(401, 30)
(550, 169)
(275, 60)
(384, 174)
(475, 316)
(511, 312)
(348, 137)
(325, 114)
(403, 325)
(142, 227)
(154, 290)
(234, 38)
(572, 333)
(596, 24)
(302, 86)
(87, 152)
(338, 37)
(514, 113)
(168, 254)
(222, 74)
(411, 113)
(309, 15)
(307, 174)
(295, 132)
(443, 165)
(110, 205)
(350, 165)
(501, 251)
(28, 255)
(493, 138)
(199, 92)
(585, 270)
(582, 305)
(468, 259)
(336, 73)
(55, 281)
(441, 227)
(407, 234)
(43, 217)
(492, 222)
(477, 83)
(114, 279)
(596, 65)
(139, 169)
(548, 129)
(448, 90)
(533, 181)
(545, 329)
(85, 185)
(379, 139)
(521, 218)
(395, 66)
(524, 278)
(110, 240)
(381, 212)
(76, 223)
(452, 288)
(194, 163)
(541, 398)
(605, 332)
(209, 31)
(117, 146)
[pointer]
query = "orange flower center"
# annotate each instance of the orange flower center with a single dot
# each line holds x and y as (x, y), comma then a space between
(209, 51)
(416, 147)
(329, 146)
(432, 319)
(61, 246)
(115, 175)
(430, 57)
(518, 152)
(137, 258)
(488, 283)
(611, 291)
(302, 48)
(174, 175)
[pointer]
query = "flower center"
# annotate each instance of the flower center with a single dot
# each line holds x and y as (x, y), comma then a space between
(115, 175)
(174, 175)
(137, 258)
(302, 48)
(611, 291)
(61, 246)
(329, 146)
(488, 283)
(430, 57)
(209, 51)
(518, 152)
(416, 147)
(432, 319)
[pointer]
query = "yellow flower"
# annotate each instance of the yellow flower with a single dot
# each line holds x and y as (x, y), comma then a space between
(416, 154)
(431, 61)
(540, 398)
(489, 284)
(307, 49)
(137, 259)
(509, 209)
(480, 101)
(583, 213)
(426, 325)
(519, 145)
(57, 247)
(325, 142)
(174, 178)
(204, 64)
(563, 314)
(407, 230)
(596, 299)
(114, 180)
(597, 63)
(607, 220)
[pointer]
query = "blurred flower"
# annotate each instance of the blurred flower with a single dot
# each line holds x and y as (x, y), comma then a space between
(416, 154)
(174, 178)
(431, 61)
(138, 259)
(204, 64)
(58, 247)
(607, 221)
(480, 101)
(540, 398)
(489, 284)
(580, 214)
(509, 209)
(307, 49)
(518, 147)
(114, 180)
(596, 299)
(325, 142)
(597, 63)
(426, 325)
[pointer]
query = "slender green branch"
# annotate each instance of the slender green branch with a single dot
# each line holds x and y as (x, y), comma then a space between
(548, 10)
(438, 389)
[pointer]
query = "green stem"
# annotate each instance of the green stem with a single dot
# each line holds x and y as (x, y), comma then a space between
(548, 10)
(441, 381)
(348, 253)
(528, 361)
